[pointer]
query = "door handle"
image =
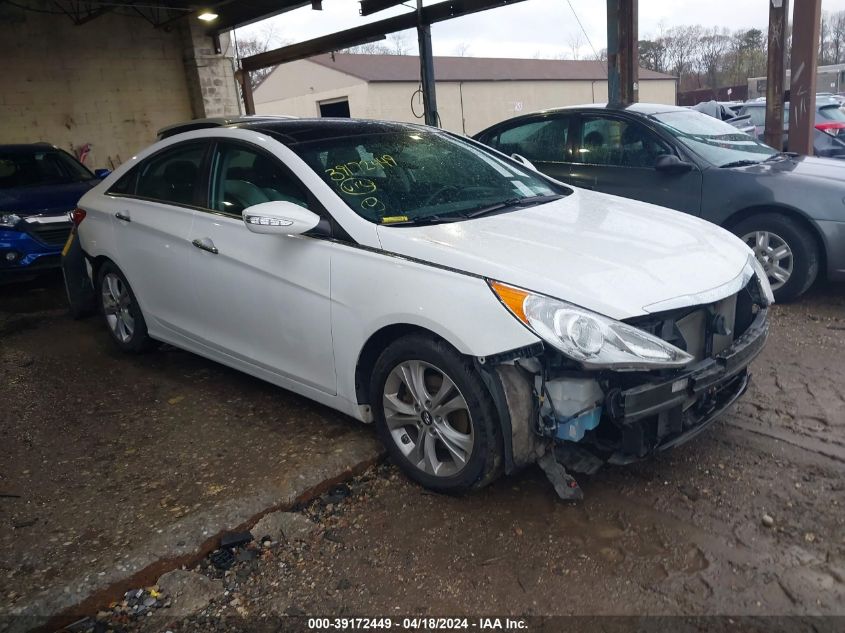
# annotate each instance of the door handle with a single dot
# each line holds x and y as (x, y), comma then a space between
(123, 215)
(206, 244)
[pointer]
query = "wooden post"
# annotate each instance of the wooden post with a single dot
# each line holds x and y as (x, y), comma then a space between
(776, 73)
(622, 52)
(806, 22)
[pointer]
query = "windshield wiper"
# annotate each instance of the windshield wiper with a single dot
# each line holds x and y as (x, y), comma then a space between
(513, 202)
(781, 155)
(740, 163)
(428, 219)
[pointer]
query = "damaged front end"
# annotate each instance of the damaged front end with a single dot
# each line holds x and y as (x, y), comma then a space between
(580, 417)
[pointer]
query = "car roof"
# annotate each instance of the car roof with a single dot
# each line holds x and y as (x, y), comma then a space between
(820, 103)
(27, 148)
(636, 108)
(199, 124)
(292, 131)
(643, 109)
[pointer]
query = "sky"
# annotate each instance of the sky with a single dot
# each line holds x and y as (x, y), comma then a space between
(545, 28)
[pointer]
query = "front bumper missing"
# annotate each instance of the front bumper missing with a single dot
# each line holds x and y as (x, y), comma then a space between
(665, 413)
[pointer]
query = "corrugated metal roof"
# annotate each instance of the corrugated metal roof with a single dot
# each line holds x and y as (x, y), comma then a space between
(407, 68)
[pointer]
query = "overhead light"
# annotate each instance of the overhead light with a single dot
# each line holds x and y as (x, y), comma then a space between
(207, 16)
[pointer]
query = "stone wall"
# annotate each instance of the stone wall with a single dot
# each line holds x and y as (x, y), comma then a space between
(110, 83)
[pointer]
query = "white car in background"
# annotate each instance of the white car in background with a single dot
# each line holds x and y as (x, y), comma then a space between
(481, 314)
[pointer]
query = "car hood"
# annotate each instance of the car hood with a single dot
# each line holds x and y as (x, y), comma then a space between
(43, 200)
(826, 169)
(611, 255)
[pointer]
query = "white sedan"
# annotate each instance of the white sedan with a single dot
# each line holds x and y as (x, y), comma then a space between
(481, 314)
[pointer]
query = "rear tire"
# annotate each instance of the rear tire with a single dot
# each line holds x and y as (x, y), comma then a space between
(120, 311)
(435, 416)
(786, 249)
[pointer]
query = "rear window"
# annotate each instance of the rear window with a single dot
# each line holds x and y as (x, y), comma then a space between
(38, 168)
(832, 113)
(758, 115)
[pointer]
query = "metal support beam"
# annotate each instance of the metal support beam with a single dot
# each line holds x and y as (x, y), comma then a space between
(427, 73)
(776, 75)
(430, 15)
(368, 7)
(806, 22)
(246, 88)
(622, 52)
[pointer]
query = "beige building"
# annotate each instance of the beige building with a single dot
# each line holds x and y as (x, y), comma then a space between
(472, 92)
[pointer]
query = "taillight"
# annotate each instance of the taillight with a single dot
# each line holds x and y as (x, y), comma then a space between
(832, 128)
(77, 215)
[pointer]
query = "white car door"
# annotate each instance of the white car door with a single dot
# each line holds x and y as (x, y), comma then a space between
(152, 217)
(262, 299)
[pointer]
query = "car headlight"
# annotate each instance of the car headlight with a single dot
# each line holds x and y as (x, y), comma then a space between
(9, 219)
(765, 286)
(595, 341)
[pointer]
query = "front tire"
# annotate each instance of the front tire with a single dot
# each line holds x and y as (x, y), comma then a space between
(787, 251)
(435, 416)
(120, 311)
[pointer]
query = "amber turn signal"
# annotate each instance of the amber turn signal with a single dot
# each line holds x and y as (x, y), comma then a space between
(513, 298)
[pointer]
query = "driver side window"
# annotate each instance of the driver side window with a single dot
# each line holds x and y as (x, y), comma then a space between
(539, 141)
(618, 143)
(242, 177)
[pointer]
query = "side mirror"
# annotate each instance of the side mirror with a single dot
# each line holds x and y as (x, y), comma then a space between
(279, 218)
(671, 164)
(102, 173)
(521, 159)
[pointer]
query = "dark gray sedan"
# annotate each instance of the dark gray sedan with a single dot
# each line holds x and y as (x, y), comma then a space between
(789, 209)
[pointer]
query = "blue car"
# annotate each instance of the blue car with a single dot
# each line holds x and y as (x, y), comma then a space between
(39, 185)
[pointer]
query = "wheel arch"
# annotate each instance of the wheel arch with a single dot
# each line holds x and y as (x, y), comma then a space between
(790, 212)
(376, 344)
(96, 264)
(382, 338)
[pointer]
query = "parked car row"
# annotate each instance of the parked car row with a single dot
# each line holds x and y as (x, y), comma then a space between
(789, 209)
(39, 185)
(519, 315)
(750, 117)
(482, 314)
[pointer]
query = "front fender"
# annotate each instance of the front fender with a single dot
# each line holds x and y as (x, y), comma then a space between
(372, 290)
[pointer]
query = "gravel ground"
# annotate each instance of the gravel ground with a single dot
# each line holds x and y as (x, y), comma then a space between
(747, 520)
(112, 461)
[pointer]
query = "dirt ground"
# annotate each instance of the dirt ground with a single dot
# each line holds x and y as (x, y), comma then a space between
(682, 534)
(112, 462)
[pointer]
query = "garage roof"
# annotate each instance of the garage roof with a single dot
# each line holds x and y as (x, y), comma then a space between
(231, 13)
(377, 68)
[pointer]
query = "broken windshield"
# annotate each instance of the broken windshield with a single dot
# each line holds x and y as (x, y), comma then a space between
(413, 175)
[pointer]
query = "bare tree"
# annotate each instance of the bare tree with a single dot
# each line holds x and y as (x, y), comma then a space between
(712, 47)
(461, 49)
(681, 50)
(837, 37)
(255, 43)
(397, 43)
(575, 42)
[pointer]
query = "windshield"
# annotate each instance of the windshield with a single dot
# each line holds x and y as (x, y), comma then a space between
(717, 142)
(413, 175)
(31, 169)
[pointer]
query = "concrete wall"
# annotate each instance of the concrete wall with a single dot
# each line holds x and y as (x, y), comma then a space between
(297, 88)
(111, 82)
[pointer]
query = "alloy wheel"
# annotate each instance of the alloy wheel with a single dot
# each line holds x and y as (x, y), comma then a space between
(428, 418)
(774, 254)
(116, 304)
